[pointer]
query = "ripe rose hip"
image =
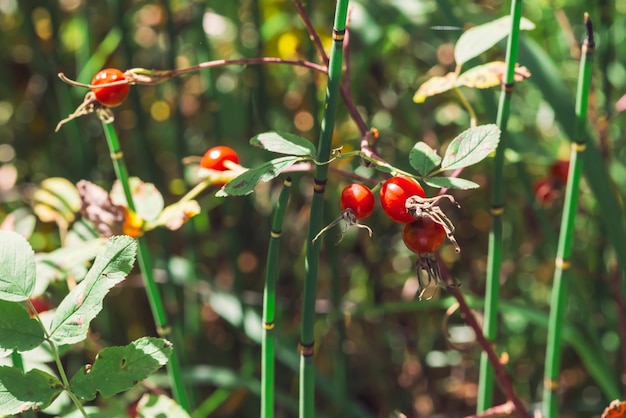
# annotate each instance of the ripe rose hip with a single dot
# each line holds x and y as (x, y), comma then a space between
(110, 96)
(393, 196)
(423, 235)
(214, 158)
(359, 199)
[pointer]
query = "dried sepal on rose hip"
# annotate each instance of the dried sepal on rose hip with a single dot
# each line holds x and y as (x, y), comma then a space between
(426, 225)
(394, 194)
(423, 207)
(357, 202)
(108, 88)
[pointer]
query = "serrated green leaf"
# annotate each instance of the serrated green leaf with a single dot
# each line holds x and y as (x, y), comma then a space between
(284, 143)
(245, 182)
(20, 392)
(17, 267)
(117, 369)
(71, 320)
(478, 39)
(451, 183)
(65, 261)
(423, 158)
(471, 146)
(151, 405)
(18, 331)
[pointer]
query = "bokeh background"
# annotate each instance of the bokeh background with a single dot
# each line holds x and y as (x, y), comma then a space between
(379, 351)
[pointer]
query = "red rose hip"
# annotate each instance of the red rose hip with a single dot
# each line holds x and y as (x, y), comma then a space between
(359, 199)
(110, 96)
(393, 196)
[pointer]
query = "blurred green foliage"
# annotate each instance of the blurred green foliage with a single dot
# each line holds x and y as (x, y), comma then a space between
(390, 354)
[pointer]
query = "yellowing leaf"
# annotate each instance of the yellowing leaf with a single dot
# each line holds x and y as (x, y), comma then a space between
(434, 86)
(490, 75)
(56, 200)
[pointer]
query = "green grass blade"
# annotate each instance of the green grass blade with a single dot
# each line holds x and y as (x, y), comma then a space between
(269, 305)
(494, 262)
(145, 265)
(566, 237)
(307, 372)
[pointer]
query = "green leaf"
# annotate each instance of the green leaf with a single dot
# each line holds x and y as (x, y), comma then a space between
(75, 312)
(478, 39)
(151, 405)
(20, 392)
(18, 331)
(451, 183)
(17, 267)
(245, 182)
(64, 262)
(284, 143)
(471, 146)
(117, 369)
(423, 158)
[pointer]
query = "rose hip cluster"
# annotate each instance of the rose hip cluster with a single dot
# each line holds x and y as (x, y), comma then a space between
(403, 200)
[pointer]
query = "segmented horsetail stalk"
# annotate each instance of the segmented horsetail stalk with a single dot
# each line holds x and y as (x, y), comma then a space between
(307, 343)
(145, 265)
(494, 262)
(269, 305)
(564, 250)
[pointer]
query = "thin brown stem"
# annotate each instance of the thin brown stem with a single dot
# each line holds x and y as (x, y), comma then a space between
(500, 371)
(345, 94)
(142, 76)
(309, 166)
(313, 35)
(248, 61)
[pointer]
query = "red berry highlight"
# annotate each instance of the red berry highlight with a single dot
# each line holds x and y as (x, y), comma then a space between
(110, 96)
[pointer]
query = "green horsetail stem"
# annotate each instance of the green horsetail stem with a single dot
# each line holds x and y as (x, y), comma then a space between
(145, 265)
(564, 250)
(494, 261)
(269, 305)
(307, 343)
